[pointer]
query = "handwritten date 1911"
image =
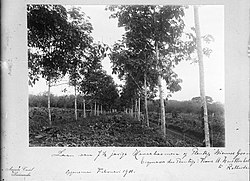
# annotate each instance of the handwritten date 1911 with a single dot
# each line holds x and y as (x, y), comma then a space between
(124, 172)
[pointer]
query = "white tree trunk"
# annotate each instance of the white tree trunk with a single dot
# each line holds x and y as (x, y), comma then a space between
(84, 108)
(163, 122)
(132, 110)
(136, 108)
(95, 109)
(49, 109)
(163, 116)
(75, 104)
(201, 72)
(146, 100)
(139, 109)
(101, 108)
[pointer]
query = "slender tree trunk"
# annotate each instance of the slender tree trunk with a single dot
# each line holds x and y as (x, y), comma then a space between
(132, 111)
(91, 109)
(49, 109)
(163, 116)
(146, 100)
(75, 104)
(163, 122)
(95, 109)
(136, 108)
(84, 108)
(139, 109)
(101, 108)
(201, 72)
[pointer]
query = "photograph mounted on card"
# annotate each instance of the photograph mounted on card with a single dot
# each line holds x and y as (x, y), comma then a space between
(134, 90)
(126, 75)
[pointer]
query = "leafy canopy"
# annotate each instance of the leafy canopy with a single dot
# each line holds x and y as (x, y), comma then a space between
(146, 26)
(47, 31)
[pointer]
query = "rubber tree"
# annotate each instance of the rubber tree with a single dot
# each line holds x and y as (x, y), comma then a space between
(107, 92)
(132, 59)
(128, 95)
(79, 31)
(162, 29)
(47, 43)
(101, 88)
(125, 67)
(201, 76)
(95, 80)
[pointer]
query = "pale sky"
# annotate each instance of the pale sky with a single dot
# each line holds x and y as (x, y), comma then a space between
(211, 22)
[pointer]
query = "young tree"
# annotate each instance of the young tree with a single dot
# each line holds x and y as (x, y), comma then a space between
(90, 77)
(48, 48)
(131, 58)
(92, 73)
(80, 29)
(161, 30)
(107, 92)
(101, 88)
(133, 92)
(201, 72)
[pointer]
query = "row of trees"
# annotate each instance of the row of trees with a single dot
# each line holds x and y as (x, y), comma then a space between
(153, 44)
(172, 106)
(68, 102)
(149, 49)
(60, 43)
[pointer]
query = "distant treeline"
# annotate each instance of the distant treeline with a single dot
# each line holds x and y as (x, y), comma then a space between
(186, 107)
(67, 101)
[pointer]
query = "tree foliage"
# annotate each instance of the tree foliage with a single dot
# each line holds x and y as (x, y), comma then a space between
(101, 88)
(145, 25)
(47, 32)
(198, 99)
(81, 40)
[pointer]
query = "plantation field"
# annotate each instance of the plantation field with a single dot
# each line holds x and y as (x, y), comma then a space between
(190, 125)
(116, 129)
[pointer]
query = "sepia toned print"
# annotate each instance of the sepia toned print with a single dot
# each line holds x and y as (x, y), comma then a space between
(89, 107)
(110, 140)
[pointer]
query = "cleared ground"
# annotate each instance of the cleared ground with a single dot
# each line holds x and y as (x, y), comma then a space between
(106, 130)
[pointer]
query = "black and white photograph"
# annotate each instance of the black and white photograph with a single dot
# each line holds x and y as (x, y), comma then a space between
(125, 90)
(126, 75)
